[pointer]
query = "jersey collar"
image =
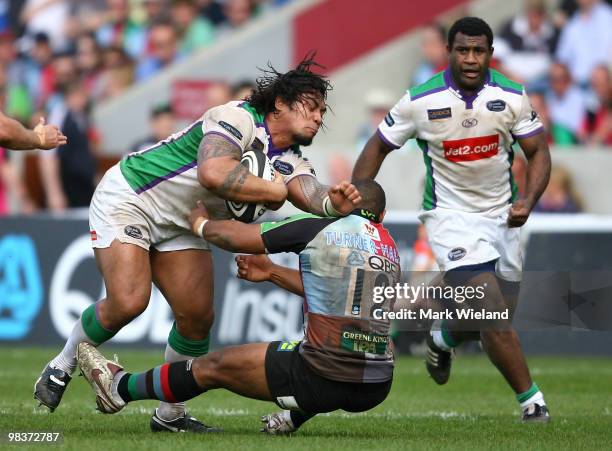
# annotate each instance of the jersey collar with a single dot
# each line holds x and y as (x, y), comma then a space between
(468, 99)
(367, 214)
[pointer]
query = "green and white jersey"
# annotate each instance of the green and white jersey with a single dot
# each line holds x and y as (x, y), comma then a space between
(466, 141)
(165, 175)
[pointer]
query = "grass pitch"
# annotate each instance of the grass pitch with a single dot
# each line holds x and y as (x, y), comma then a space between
(475, 410)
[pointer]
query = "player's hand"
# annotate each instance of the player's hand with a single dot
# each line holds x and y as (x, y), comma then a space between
(519, 212)
(344, 197)
(197, 215)
(49, 136)
(254, 268)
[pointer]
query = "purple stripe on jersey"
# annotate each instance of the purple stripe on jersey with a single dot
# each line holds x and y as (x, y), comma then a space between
(227, 138)
(537, 131)
(168, 176)
(385, 140)
(426, 93)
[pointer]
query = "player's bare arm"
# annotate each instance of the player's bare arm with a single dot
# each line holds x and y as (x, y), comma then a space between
(538, 172)
(233, 236)
(371, 158)
(15, 136)
(308, 194)
(259, 268)
(220, 171)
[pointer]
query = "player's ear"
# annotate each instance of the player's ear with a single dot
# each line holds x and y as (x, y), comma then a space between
(381, 216)
(280, 105)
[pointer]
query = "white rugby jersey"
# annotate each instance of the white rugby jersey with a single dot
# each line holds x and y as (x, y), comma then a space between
(466, 141)
(165, 175)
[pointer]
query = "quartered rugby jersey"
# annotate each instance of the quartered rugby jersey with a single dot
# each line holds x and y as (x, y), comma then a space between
(466, 141)
(341, 261)
(165, 175)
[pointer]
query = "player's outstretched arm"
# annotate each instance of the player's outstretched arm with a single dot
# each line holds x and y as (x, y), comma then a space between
(259, 268)
(371, 158)
(220, 171)
(15, 136)
(538, 172)
(233, 236)
(308, 194)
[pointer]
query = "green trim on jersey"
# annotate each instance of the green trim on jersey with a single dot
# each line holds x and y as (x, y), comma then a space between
(428, 192)
(257, 117)
(174, 155)
(435, 82)
(501, 80)
(267, 226)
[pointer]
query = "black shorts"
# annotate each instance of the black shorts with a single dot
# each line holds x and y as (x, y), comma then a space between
(294, 385)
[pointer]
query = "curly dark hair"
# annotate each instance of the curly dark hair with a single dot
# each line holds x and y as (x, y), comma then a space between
(470, 26)
(290, 87)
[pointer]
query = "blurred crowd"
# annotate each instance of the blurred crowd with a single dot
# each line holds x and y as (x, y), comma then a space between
(59, 58)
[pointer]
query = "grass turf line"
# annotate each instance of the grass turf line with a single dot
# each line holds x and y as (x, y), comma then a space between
(475, 410)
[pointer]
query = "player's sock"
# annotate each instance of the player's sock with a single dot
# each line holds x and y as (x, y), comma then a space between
(442, 337)
(531, 396)
(170, 382)
(297, 417)
(87, 329)
(179, 349)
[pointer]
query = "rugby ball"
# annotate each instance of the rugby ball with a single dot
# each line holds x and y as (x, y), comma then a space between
(259, 165)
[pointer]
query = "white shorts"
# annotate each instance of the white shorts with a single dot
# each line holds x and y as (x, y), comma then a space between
(460, 239)
(117, 212)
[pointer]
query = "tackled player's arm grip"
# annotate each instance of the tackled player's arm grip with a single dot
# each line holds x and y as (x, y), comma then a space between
(234, 236)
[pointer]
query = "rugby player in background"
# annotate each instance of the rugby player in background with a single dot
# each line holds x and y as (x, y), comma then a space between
(139, 218)
(465, 119)
(345, 360)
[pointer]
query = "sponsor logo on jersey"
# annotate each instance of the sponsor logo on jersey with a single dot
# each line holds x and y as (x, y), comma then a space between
(230, 128)
(470, 122)
(496, 105)
(133, 231)
(381, 264)
(456, 254)
(440, 113)
(389, 120)
(534, 115)
(355, 259)
(371, 231)
(471, 149)
(283, 167)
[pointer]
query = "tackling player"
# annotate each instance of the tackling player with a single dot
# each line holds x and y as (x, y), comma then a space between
(345, 360)
(139, 218)
(465, 120)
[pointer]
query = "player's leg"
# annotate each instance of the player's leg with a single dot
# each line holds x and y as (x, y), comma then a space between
(127, 276)
(240, 369)
(185, 278)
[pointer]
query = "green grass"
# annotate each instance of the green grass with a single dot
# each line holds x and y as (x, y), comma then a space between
(476, 410)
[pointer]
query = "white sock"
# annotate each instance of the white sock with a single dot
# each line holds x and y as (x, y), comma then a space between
(171, 411)
(537, 398)
(66, 360)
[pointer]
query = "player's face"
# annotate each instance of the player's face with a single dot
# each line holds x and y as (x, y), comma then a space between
(306, 117)
(469, 60)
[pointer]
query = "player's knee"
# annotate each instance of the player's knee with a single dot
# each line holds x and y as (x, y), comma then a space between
(131, 303)
(195, 325)
(208, 371)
